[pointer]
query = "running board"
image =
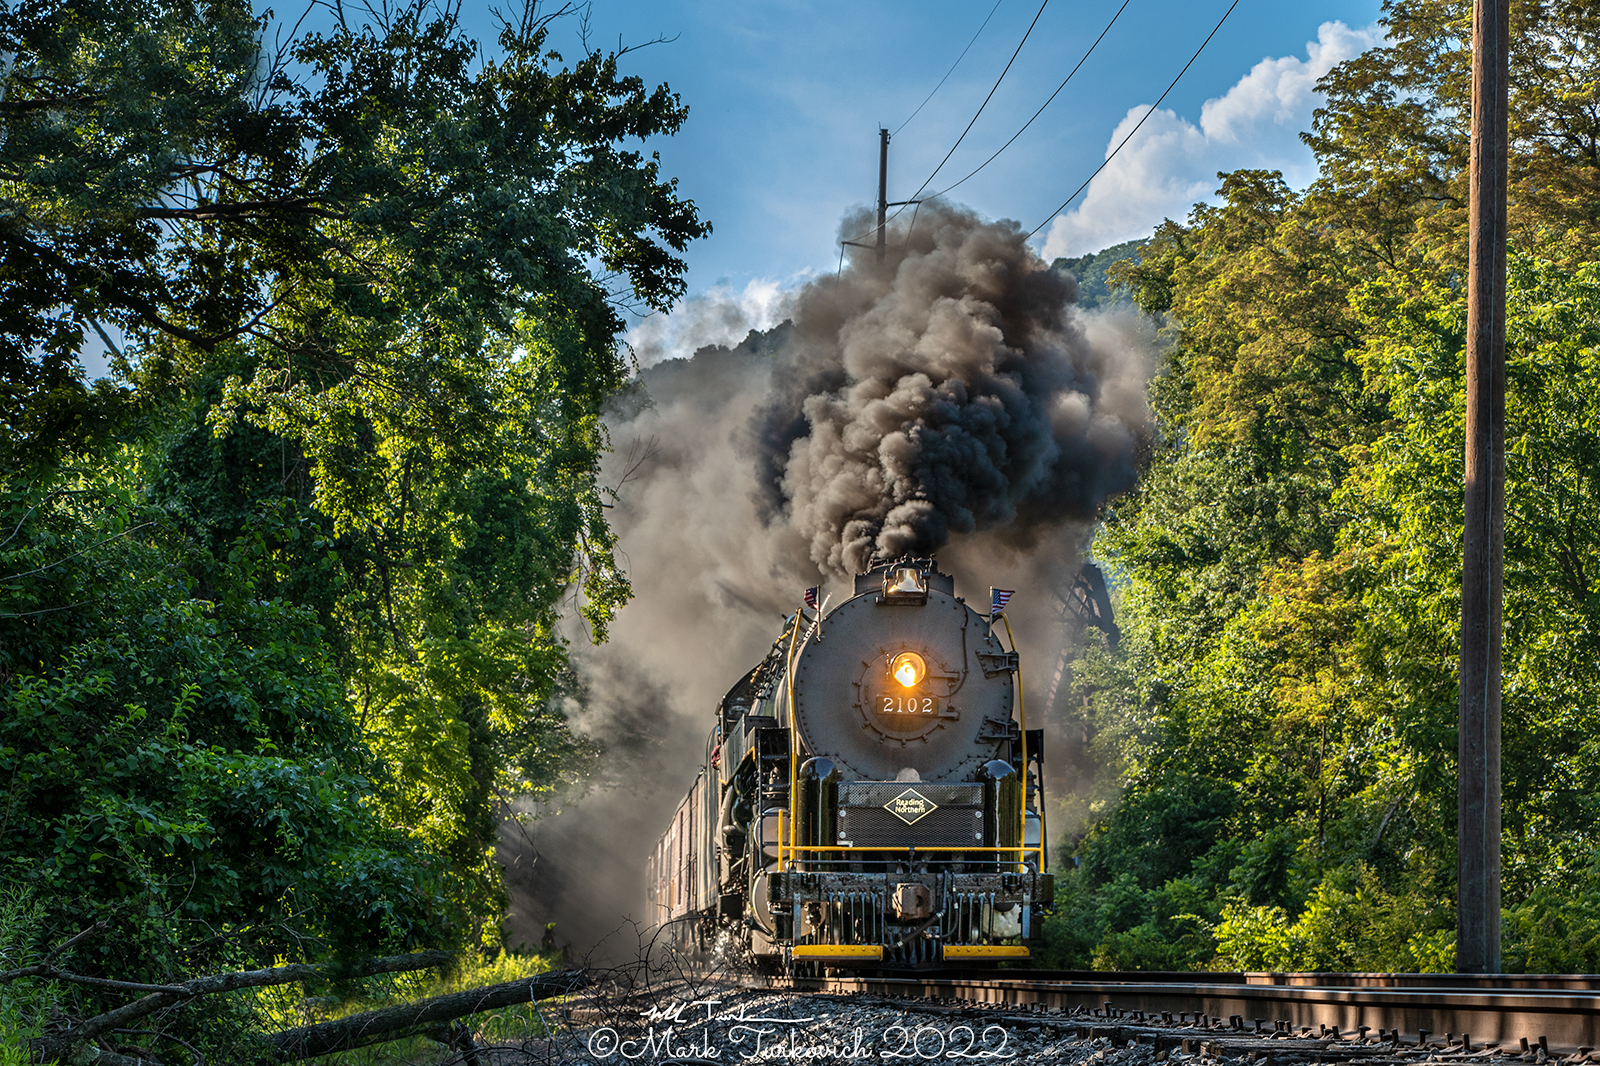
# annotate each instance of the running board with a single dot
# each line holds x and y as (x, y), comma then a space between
(838, 952)
(874, 952)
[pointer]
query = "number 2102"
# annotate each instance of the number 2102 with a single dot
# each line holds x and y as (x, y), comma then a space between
(907, 705)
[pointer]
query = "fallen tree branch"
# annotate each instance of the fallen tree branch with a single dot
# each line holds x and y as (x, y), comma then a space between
(394, 1023)
(50, 973)
(58, 1047)
(43, 965)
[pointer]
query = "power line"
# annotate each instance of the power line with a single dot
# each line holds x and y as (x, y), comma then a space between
(1047, 103)
(986, 100)
(1141, 122)
(913, 199)
(951, 71)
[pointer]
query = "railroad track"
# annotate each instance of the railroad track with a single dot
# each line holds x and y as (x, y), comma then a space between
(1346, 1015)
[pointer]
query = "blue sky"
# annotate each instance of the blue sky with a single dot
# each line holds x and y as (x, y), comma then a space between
(786, 99)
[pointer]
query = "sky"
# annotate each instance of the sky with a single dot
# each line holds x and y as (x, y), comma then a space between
(786, 98)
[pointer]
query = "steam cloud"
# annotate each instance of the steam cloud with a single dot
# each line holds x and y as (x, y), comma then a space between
(948, 390)
(948, 397)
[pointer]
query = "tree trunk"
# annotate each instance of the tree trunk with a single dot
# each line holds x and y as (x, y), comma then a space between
(393, 1023)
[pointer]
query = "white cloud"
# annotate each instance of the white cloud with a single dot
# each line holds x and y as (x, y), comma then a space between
(1171, 163)
(717, 316)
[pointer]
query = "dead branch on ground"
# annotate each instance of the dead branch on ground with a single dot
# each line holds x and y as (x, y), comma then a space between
(63, 1045)
(417, 1019)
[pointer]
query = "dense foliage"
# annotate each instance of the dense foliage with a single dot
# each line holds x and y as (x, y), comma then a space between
(1278, 724)
(278, 608)
(1096, 291)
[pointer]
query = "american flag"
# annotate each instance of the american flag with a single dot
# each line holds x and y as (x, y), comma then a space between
(998, 598)
(811, 595)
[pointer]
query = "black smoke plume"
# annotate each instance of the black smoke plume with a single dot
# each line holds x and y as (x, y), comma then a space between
(947, 390)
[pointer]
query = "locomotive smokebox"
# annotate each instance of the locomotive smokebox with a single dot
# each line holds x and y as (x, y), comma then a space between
(904, 681)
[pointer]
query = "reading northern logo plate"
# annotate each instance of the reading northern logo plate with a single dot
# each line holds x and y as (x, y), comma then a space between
(911, 806)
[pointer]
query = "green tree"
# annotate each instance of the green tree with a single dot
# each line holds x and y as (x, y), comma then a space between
(185, 771)
(1392, 140)
(1289, 565)
(1412, 515)
(1320, 715)
(278, 610)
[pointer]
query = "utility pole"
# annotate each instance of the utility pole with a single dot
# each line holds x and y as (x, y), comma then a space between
(1483, 540)
(883, 202)
(883, 188)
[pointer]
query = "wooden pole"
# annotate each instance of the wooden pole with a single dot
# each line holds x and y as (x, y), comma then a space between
(883, 188)
(1483, 539)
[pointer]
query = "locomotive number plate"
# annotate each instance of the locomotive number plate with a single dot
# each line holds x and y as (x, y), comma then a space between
(907, 704)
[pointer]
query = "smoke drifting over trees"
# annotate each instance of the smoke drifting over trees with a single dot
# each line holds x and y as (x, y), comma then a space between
(948, 398)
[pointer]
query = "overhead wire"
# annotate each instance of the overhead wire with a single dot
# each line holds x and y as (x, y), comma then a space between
(1152, 109)
(1046, 104)
(992, 90)
(995, 88)
(949, 72)
(1140, 123)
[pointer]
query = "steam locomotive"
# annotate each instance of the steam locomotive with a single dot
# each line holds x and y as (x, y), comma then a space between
(871, 795)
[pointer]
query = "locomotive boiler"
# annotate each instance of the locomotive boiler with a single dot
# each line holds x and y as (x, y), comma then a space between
(871, 795)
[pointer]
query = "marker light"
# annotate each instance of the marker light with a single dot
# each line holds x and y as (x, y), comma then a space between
(908, 669)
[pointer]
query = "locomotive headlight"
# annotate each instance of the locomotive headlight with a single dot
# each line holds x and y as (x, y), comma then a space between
(908, 668)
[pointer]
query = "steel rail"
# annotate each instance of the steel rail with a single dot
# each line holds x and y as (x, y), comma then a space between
(1324, 979)
(1558, 1012)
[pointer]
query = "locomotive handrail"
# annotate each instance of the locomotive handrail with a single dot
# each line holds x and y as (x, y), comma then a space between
(786, 859)
(911, 847)
(1021, 859)
(808, 848)
(1022, 715)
